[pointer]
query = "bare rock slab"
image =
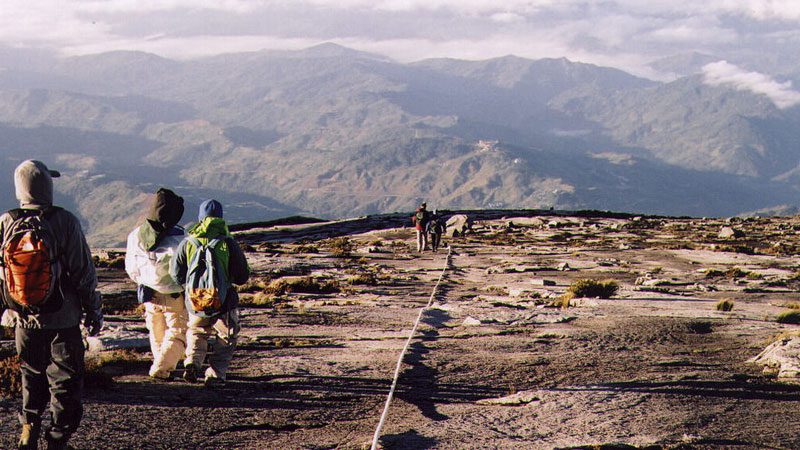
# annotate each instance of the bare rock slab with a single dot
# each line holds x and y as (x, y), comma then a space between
(117, 338)
(782, 356)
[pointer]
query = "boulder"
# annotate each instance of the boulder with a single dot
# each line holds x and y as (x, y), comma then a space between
(730, 233)
(458, 225)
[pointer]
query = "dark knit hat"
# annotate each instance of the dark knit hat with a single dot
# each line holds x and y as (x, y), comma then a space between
(209, 208)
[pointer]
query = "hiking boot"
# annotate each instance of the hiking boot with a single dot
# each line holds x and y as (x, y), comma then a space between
(190, 373)
(29, 437)
(163, 375)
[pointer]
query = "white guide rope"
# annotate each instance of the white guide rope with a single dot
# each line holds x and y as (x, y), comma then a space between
(377, 435)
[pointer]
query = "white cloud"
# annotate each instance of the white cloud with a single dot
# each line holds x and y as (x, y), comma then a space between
(507, 17)
(724, 73)
(622, 33)
(193, 47)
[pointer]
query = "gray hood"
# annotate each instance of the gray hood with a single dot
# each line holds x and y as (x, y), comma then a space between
(33, 183)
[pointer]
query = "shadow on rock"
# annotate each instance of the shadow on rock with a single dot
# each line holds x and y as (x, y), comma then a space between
(409, 440)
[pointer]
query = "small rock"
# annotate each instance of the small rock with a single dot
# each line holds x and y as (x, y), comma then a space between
(655, 282)
(471, 322)
(583, 302)
(564, 267)
(520, 398)
(543, 282)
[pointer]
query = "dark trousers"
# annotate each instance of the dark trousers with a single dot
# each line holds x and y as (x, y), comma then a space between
(52, 367)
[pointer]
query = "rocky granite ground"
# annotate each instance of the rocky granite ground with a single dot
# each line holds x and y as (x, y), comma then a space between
(494, 365)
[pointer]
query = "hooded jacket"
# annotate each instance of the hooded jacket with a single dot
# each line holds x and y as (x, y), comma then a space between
(152, 245)
(236, 269)
(78, 281)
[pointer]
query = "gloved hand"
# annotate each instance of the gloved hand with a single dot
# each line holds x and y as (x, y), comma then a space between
(93, 321)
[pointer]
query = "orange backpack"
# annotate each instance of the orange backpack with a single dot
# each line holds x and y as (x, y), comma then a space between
(29, 261)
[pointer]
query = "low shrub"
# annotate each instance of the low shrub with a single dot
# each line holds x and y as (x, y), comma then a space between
(725, 305)
(593, 288)
(733, 273)
(341, 247)
(366, 278)
(792, 317)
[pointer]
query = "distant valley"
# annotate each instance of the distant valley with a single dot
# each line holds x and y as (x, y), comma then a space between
(333, 132)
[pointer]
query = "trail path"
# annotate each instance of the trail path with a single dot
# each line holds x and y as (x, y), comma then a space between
(492, 366)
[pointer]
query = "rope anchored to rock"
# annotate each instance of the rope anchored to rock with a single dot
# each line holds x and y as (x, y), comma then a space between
(396, 377)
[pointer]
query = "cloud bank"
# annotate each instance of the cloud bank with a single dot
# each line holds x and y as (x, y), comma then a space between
(724, 73)
(622, 33)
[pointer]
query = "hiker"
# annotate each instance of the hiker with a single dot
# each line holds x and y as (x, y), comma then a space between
(151, 247)
(208, 261)
(420, 220)
(49, 282)
(435, 230)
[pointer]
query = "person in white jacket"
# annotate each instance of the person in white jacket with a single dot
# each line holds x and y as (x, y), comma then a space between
(151, 247)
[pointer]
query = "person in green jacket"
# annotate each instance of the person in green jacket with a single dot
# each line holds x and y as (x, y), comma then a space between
(225, 323)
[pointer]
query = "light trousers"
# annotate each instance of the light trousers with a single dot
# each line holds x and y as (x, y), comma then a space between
(226, 330)
(166, 319)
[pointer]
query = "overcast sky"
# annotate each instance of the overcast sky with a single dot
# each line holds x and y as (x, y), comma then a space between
(753, 36)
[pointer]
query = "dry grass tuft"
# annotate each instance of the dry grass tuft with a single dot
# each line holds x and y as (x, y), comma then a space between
(305, 248)
(260, 300)
(341, 247)
(10, 377)
(304, 285)
(725, 305)
(116, 262)
(252, 285)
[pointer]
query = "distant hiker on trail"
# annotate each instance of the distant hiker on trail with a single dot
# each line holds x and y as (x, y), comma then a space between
(49, 282)
(435, 230)
(151, 247)
(208, 261)
(420, 220)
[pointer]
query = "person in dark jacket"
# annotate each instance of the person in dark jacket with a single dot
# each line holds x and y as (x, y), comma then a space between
(435, 230)
(49, 342)
(420, 220)
(225, 325)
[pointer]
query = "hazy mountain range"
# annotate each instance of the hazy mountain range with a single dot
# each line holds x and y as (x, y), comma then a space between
(333, 132)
